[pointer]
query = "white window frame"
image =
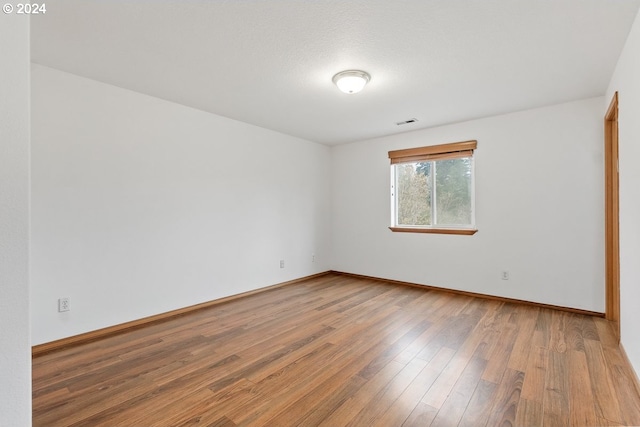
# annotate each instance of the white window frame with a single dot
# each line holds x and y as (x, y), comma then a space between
(464, 149)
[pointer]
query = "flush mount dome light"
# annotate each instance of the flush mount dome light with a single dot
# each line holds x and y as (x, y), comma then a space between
(351, 81)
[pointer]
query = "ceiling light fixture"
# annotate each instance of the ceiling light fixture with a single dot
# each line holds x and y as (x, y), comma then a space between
(351, 81)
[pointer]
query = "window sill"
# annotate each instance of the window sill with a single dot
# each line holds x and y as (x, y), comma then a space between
(461, 231)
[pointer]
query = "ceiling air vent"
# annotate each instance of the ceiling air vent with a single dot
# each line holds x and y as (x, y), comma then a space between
(406, 122)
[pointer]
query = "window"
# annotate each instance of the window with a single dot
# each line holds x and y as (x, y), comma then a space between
(432, 189)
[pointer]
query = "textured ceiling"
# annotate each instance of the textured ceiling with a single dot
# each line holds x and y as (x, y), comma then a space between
(270, 63)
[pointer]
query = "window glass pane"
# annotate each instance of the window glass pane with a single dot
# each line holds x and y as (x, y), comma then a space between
(413, 193)
(453, 191)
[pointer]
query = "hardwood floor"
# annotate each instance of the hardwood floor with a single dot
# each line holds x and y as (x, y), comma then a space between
(341, 351)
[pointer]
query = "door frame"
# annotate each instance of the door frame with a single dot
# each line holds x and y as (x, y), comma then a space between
(612, 215)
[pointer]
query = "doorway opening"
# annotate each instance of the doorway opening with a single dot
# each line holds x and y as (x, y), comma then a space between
(612, 216)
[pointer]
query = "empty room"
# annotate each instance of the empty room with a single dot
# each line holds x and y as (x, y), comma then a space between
(305, 213)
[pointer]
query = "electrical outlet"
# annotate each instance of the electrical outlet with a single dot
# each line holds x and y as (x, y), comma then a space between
(505, 275)
(281, 263)
(313, 257)
(63, 304)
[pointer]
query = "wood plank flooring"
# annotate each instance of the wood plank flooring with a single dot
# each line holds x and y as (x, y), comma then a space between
(342, 351)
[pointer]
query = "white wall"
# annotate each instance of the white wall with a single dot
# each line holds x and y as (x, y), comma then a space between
(539, 209)
(626, 80)
(141, 206)
(15, 350)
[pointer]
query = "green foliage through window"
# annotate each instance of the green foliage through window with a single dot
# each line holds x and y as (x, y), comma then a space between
(434, 193)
